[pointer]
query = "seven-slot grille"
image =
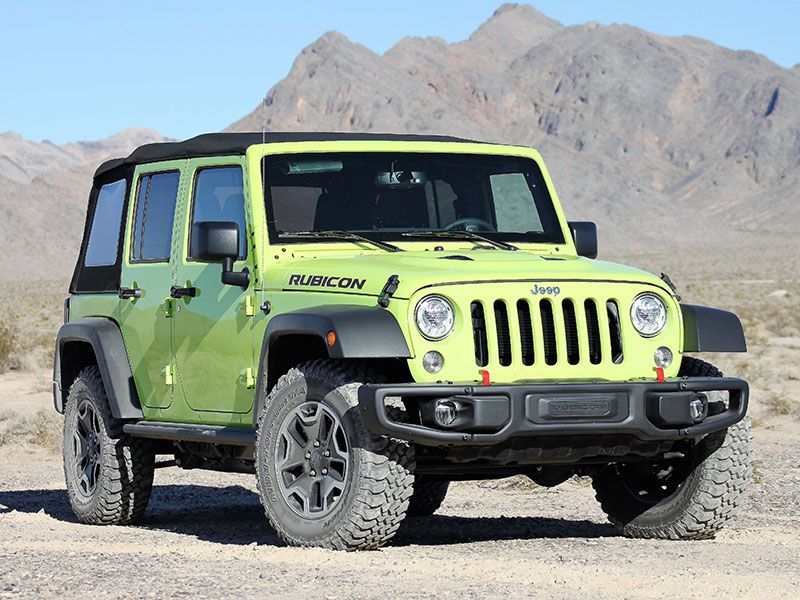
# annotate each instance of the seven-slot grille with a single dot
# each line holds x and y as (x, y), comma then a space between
(546, 332)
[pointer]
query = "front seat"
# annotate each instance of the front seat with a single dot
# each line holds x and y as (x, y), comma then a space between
(405, 208)
(341, 211)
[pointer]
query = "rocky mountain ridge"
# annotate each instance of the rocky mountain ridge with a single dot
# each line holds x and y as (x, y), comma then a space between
(665, 141)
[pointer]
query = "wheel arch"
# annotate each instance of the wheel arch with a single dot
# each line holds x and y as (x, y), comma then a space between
(707, 329)
(366, 333)
(95, 341)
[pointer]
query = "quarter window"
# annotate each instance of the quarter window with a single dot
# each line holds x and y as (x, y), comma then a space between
(103, 246)
(219, 196)
(155, 212)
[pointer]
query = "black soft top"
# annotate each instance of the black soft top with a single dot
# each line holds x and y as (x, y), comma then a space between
(230, 144)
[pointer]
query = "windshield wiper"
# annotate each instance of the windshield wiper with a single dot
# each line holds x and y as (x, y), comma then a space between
(340, 235)
(464, 235)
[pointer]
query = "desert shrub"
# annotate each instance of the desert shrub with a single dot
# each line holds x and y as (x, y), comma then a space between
(9, 344)
(47, 428)
(42, 428)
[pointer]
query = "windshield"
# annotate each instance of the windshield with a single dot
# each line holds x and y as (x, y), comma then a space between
(385, 195)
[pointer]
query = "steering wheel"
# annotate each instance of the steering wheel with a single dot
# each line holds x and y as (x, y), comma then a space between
(480, 224)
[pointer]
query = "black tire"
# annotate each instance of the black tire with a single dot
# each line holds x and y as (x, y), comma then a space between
(694, 367)
(110, 482)
(427, 497)
(688, 498)
(375, 483)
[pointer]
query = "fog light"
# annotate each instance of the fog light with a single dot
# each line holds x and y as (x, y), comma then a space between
(445, 413)
(433, 361)
(663, 357)
(698, 408)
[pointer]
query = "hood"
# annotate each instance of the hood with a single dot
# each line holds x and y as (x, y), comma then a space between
(367, 273)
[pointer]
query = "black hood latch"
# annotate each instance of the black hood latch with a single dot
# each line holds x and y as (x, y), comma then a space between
(388, 291)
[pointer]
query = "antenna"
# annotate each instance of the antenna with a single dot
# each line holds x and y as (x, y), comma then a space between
(264, 121)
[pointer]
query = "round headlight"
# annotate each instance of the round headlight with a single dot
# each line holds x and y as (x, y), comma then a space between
(435, 317)
(648, 314)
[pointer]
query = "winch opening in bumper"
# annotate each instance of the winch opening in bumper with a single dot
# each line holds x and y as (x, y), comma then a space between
(453, 415)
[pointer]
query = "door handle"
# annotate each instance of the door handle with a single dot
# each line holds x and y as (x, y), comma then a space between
(129, 293)
(179, 292)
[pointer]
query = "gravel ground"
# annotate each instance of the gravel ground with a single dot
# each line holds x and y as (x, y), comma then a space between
(205, 536)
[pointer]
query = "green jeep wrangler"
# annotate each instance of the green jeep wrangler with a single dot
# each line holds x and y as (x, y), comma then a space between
(361, 319)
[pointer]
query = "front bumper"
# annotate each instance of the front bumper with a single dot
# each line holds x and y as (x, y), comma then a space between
(496, 413)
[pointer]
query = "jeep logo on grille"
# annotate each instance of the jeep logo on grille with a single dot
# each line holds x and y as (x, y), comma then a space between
(545, 291)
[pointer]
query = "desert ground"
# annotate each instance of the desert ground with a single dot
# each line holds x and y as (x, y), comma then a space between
(205, 534)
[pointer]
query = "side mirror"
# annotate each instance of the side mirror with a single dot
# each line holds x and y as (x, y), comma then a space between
(584, 233)
(218, 241)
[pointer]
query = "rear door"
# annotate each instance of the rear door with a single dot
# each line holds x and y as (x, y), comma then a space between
(213, 340)
(147, 274)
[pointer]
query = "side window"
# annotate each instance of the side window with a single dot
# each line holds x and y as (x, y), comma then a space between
(514, 206)
(219, 196)
(155, 211)
(103, 246)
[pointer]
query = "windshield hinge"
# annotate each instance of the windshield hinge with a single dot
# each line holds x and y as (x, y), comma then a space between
(665, 278)
(388, 291)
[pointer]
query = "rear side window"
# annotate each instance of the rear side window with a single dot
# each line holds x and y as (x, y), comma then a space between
(97, 270)
(155, 212)
(219, 196)
(103, 246)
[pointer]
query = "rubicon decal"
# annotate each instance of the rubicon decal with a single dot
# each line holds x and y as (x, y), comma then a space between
(329, 281)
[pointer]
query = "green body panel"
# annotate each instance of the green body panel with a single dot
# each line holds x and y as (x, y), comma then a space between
(491, 275)
(212, 342)
(213, 334)
(94, 305)
(147, 322)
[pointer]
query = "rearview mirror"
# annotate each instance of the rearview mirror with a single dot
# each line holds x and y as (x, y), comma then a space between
(218, 241)
(584, 233)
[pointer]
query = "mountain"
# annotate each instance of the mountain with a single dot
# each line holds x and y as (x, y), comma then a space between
(668, 143)
(650, 135)
(43, 193)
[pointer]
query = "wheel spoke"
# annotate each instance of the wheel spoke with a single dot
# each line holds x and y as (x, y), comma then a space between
(313, 425)
(80, 446)
(331, 490)
(294, 454)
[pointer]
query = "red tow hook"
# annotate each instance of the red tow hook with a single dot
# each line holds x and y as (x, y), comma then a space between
(660, 375)
(487, 380)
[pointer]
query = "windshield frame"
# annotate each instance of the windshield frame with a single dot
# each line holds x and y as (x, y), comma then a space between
(555, 237)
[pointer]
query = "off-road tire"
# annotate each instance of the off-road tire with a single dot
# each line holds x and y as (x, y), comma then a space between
(379, 475)
(125, 476)
(718, 475)
(427, 497)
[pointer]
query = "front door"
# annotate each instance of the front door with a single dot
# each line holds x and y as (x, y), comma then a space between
(145, 314)
(213, 335)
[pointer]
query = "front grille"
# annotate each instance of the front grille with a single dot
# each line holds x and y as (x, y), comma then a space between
(479, 334)
(503, 333)
(546, 332)
(525, 332)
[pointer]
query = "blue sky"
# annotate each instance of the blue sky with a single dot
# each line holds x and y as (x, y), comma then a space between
(85, 70)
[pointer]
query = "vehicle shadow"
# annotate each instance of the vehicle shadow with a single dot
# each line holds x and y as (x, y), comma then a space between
(233, 515)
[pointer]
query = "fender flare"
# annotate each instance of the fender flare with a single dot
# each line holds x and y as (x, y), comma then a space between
(361, 332)
(707, 329)
(105, 339)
